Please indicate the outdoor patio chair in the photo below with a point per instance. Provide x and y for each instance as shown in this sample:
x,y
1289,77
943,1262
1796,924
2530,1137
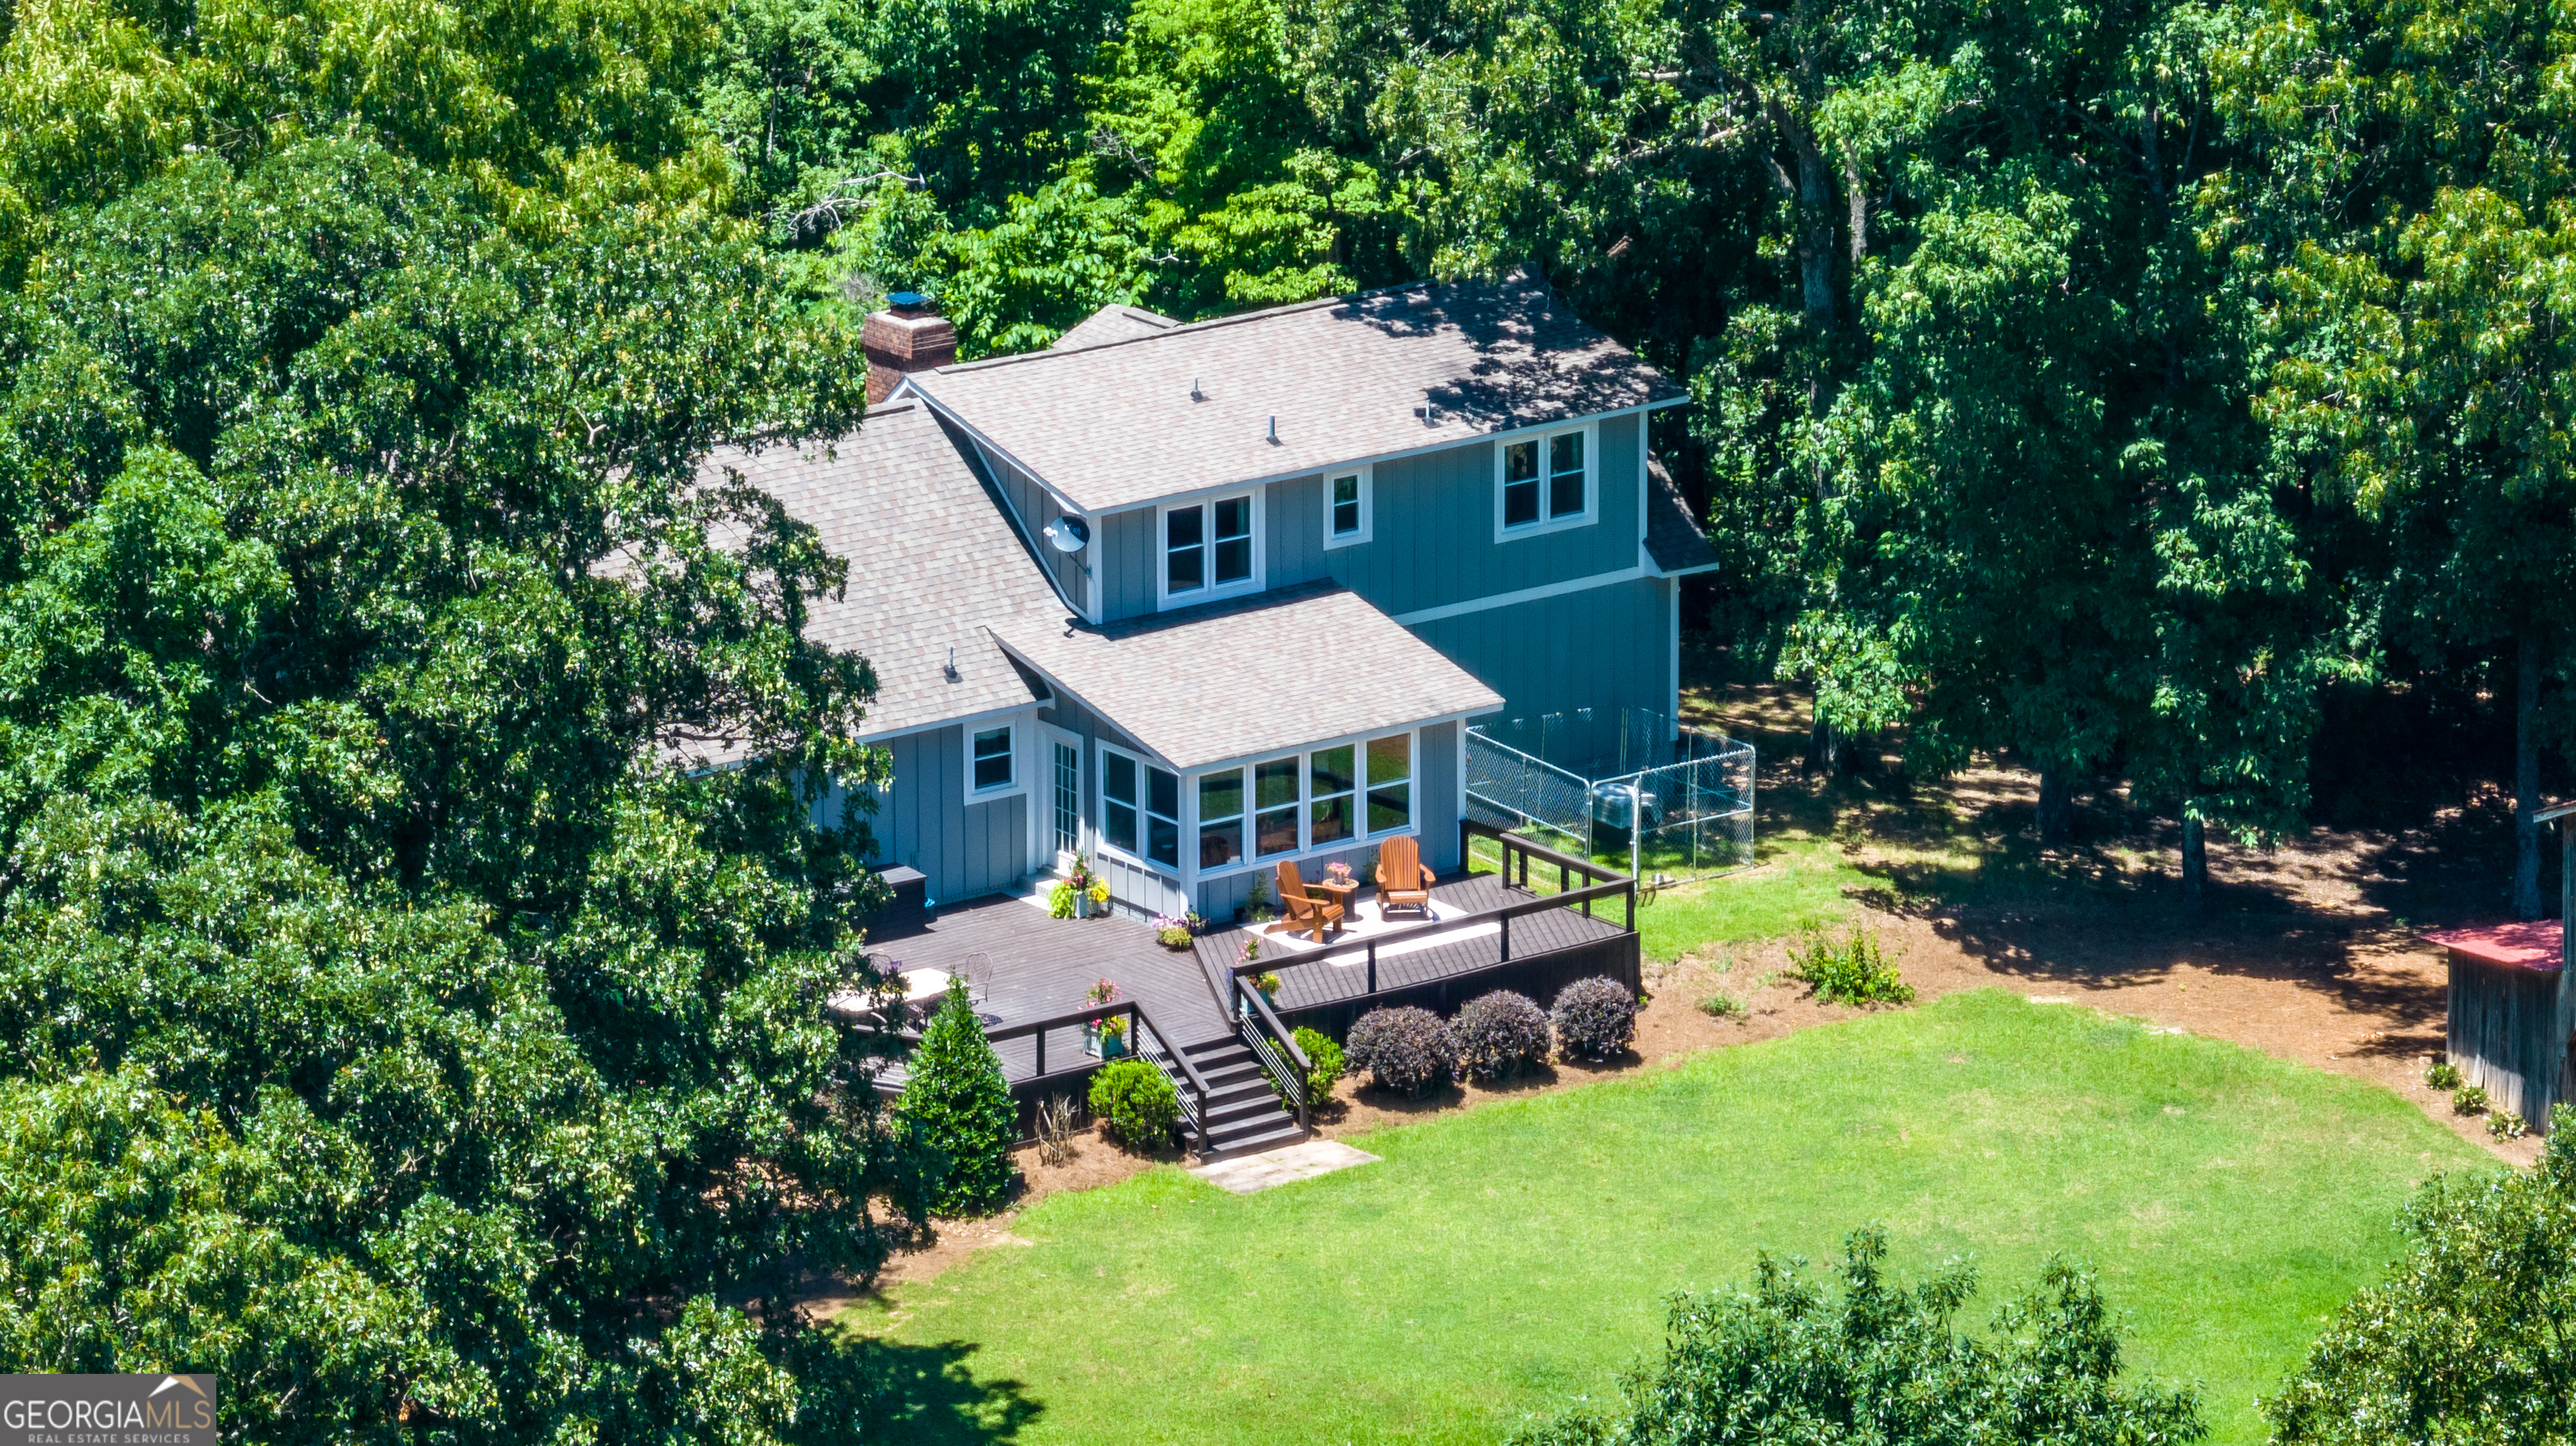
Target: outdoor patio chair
x,y
1306,913
1402,881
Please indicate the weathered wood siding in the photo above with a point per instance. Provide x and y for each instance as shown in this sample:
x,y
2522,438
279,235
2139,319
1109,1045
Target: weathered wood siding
x,y
2508,1033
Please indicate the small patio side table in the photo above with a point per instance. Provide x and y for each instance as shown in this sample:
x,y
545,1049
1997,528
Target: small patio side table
x,y
1340,893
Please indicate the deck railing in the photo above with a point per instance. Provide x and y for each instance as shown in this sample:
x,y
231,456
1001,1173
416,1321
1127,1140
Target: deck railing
x,y
1276,1048
1152,1045
1608,883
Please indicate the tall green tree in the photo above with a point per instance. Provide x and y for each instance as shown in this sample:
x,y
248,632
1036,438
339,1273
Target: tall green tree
x,y
397,1009
2406,216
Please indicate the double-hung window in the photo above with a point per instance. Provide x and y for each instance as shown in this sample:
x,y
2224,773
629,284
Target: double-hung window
x,y
1208,548
992,760
1140,809
1304,801
1544,482
1346,507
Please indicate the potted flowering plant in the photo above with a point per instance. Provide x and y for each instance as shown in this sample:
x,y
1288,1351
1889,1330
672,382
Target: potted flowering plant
x,y
1268,983
1106,1037
1341,872
1172,932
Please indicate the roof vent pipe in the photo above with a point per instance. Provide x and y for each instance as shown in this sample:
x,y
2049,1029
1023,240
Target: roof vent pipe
x,y
1274,431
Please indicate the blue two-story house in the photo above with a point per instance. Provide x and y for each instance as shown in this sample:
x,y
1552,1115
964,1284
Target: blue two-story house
x,y
1195,599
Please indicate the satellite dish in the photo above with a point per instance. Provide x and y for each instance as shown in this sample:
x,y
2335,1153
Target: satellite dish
x,y
1069,534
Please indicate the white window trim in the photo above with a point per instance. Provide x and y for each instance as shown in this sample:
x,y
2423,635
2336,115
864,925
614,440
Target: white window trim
x,y
1306,848
1164,598
1591,512
1019,759
1103,752
1368,506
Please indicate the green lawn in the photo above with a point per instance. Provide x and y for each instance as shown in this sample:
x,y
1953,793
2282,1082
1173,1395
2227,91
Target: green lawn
x,y
1506,1259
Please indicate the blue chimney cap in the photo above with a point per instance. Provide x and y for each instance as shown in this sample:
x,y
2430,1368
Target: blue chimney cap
x,y
907,300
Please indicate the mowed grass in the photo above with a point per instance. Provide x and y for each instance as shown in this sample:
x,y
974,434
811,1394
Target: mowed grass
x,y
1501,1262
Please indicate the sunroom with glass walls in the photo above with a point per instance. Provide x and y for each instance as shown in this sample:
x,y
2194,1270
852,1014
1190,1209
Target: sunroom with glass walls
x,y
1331,802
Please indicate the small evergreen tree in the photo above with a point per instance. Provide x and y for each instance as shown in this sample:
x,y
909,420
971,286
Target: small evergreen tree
x,y
956,1097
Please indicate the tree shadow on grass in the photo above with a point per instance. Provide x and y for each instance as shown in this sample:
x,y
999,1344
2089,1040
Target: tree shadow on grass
x,y
928,1394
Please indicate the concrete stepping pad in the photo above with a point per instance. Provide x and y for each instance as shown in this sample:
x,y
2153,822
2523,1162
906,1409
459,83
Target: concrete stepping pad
x,y
1301,1161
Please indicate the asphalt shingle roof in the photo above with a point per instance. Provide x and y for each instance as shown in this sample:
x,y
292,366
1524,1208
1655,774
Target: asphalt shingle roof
x,y
1673,538
932,556
1113,323
1268,674
1116,424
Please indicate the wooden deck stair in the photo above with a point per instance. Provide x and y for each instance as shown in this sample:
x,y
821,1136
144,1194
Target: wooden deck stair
x,y
1245,1115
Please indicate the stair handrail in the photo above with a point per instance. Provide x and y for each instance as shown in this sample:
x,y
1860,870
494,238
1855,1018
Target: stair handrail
x,y
1260,1026
1164,1057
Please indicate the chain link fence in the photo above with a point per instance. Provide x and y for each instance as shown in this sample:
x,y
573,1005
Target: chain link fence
x,y
1664,802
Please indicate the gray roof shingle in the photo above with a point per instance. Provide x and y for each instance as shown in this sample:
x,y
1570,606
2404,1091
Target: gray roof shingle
x,y
1673,537
1268,674
1113,323
1349,378
932,556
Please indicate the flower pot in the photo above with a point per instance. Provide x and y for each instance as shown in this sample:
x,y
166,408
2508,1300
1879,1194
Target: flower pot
x,y
1082,903
1103,1046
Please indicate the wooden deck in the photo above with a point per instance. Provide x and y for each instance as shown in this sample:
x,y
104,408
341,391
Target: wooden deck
x,y
1034,967
1324,987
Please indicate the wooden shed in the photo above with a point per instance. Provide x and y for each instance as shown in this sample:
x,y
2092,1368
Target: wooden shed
x,y
2511,1012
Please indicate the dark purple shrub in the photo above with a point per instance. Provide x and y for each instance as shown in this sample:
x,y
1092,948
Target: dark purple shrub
x,y
1500,1034
1408,1050
1595,1019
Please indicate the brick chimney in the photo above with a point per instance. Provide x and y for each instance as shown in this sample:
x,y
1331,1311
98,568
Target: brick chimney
x,y
908,336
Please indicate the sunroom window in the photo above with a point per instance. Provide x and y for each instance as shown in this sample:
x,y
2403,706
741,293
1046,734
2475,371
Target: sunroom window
x,y
1274,792
1390,783
1221,819
1330,782
1140,809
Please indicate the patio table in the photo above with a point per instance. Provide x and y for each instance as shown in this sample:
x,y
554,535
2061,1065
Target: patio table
x,y
1340,893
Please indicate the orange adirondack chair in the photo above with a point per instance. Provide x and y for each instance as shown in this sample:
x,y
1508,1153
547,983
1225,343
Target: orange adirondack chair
x,y
1402,881
1305,911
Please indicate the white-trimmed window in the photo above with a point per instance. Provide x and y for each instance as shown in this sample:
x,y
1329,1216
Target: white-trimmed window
x,y
988,762
1347,507
1221,819
1544,481
1211,548
1140,808
1275,794
1305,801
1390,783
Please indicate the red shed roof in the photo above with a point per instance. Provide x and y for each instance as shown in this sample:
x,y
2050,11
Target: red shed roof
x,y
2527,946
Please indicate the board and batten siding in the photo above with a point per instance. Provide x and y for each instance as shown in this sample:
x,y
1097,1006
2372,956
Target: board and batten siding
x,y
1127,559
1431,533
1033,507
963,849
1603,648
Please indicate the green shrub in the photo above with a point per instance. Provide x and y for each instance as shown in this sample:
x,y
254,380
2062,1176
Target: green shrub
x,y
2441,1074
1777,1361
1323,1063
2507,1125
1851,972
1723,1005
2466,1340
953,1091
1138,1102
2468,1100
